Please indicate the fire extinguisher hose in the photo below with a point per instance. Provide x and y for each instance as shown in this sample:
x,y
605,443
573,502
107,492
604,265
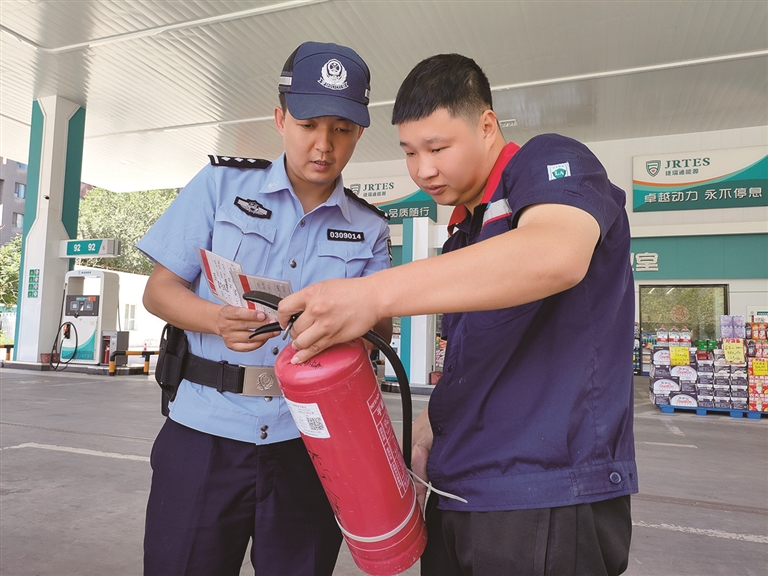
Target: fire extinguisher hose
x,y
402,378
405,390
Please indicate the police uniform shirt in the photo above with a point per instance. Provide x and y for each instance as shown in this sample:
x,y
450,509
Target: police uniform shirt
x,y
534,409
252,216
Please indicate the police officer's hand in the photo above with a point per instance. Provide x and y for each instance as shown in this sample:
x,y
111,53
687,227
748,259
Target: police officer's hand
x,y
235,325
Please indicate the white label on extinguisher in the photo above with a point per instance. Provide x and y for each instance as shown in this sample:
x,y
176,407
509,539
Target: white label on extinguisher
x,y
308,419
389,441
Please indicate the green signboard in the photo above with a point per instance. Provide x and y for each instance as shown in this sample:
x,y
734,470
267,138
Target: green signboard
x,y
94,248
416,205
700,257
80,248
695,181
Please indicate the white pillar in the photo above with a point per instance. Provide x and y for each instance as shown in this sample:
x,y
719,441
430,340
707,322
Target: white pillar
x,y
422,327
50,216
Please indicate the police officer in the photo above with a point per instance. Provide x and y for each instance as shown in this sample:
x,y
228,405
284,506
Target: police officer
x,y
230,467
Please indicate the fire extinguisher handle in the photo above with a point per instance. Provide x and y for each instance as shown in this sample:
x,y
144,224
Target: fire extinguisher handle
x,y
270,301
263,298
266,329
405,390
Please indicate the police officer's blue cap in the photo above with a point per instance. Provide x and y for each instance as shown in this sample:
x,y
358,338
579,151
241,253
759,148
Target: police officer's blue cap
x,y
325,79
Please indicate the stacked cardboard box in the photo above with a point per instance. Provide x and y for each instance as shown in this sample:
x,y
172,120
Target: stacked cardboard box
x,y
662,382
705,384
730,383
674,385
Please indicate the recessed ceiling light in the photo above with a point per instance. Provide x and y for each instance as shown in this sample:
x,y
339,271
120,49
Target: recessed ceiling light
x,y
508,123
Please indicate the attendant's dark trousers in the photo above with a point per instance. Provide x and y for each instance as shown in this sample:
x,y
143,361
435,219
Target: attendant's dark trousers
x,y
581,540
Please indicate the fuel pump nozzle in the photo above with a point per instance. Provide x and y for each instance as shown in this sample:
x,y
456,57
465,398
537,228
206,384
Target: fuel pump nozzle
x,y
80,306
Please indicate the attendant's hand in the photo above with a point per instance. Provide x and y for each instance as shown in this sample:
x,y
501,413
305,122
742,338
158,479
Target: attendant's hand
x,y
332,311
420,447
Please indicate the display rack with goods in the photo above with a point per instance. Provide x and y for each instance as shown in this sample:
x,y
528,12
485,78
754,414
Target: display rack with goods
x,y
757,364
729,374
637,358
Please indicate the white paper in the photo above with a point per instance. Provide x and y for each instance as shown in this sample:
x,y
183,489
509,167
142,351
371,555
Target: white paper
x,y
218,272
245,283
228,283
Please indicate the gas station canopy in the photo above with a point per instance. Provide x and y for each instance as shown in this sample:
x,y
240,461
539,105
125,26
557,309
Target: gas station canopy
x,y
164,83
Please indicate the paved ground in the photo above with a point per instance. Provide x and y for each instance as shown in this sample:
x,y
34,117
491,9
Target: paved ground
x,y
74,476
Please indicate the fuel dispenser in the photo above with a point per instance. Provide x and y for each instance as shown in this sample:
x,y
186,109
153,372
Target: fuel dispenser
x,y
90,309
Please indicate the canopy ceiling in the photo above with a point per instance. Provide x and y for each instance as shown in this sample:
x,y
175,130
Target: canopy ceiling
x,y
165,83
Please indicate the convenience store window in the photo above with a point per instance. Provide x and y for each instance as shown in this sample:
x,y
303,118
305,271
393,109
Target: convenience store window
x,y
697,307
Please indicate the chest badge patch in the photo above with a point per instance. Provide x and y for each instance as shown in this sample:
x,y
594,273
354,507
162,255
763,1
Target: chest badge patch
x,y
345,235
252,208
556,171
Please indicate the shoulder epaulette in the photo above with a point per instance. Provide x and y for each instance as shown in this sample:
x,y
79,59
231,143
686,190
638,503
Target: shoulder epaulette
x,y
236,162
368,205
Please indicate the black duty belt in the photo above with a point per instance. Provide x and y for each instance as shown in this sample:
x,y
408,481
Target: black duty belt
x,y
235,378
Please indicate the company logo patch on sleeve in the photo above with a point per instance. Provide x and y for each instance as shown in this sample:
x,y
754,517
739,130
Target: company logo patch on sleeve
x,y
252,208
345,235
556,171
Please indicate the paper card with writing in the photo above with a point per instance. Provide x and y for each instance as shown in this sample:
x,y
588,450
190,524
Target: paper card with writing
x,y
228,283
218,273
245,283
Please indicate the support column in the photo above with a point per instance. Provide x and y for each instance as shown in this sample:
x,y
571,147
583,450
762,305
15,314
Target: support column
x,y
417,333
50,216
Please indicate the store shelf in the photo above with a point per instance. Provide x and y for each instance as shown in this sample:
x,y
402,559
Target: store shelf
x,y
667,409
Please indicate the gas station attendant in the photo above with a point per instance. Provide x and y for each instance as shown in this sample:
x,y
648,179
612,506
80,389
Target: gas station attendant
x,y
531,422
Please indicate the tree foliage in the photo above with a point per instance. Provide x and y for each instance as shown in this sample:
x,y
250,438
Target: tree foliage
x,y
125,216
10,264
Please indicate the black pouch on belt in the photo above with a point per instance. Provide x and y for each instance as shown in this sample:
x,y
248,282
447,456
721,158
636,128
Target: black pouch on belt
x,y
170,362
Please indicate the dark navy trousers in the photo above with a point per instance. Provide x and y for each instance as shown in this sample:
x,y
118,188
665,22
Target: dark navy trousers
x,y
580,540
211,495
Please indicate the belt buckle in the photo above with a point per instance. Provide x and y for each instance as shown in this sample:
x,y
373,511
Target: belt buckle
x,y
260,381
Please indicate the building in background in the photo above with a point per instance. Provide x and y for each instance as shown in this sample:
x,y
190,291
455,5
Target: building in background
x,y
13,194
13,191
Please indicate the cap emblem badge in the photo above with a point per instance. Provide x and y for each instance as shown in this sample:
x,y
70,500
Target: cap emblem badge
x,y
334,75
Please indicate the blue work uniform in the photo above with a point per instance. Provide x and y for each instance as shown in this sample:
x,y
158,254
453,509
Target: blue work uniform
x,y
229,468
535,406
253,217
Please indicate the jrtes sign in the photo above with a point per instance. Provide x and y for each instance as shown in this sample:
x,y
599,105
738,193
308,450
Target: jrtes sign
x,y
736,178
396,197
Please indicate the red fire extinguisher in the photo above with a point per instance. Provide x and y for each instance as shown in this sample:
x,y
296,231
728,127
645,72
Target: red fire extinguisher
x,y
338,408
